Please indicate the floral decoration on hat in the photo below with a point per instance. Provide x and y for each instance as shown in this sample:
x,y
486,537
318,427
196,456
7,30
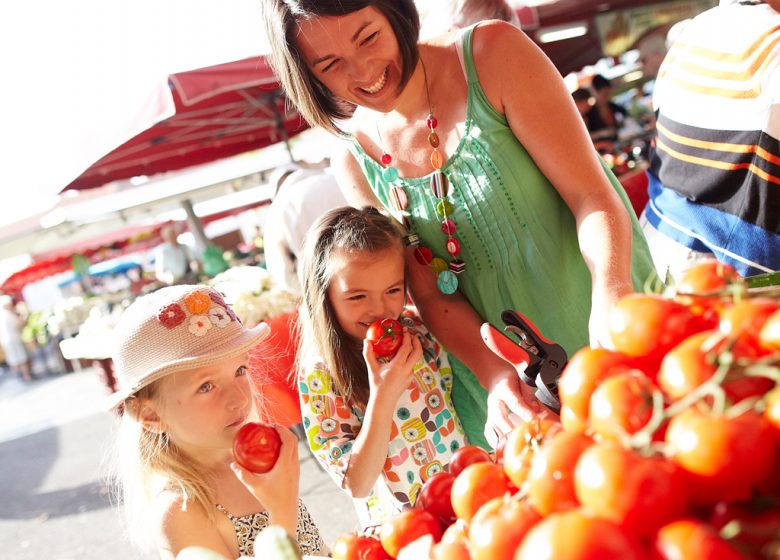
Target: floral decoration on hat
x,y
199,325
219,316
171,315
198,302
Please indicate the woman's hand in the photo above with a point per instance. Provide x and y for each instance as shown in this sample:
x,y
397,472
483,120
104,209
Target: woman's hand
x,y
277,490
603,301
391,378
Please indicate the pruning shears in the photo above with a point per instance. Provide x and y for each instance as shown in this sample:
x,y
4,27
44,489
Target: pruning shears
x,y
539,361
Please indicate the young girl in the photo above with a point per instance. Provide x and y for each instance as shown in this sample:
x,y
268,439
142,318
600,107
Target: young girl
x,y
379,429
181,363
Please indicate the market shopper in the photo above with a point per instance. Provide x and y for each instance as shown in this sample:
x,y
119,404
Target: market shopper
x,y
174,262
715,172
181,361
477,130
380,428
16,355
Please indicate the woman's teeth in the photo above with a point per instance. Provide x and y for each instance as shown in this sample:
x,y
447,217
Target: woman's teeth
x,y
380,83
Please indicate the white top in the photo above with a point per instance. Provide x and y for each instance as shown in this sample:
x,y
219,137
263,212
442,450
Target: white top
x,y
171,262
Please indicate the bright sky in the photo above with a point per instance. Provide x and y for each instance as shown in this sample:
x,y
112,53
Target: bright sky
x,y
78,75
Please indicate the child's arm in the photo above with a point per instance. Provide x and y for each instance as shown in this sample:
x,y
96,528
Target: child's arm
x,y
277,490
179,529
387,381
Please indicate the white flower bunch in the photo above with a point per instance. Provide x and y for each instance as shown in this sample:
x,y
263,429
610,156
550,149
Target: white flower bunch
x,y
251,292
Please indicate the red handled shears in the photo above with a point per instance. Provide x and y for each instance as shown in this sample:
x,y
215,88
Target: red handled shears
x,y
539,362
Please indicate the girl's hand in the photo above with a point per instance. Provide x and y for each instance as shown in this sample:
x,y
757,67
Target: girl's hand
x,y
277,490
391,378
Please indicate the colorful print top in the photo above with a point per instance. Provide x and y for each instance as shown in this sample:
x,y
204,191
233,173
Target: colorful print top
x,y
424,434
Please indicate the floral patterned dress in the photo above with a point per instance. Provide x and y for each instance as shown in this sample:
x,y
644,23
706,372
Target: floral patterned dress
x,y
424,434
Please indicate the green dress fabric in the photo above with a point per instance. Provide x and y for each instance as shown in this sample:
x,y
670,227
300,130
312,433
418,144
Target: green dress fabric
x,y
518,237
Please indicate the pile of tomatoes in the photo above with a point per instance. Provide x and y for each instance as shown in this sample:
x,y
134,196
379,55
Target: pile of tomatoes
x,y
668,447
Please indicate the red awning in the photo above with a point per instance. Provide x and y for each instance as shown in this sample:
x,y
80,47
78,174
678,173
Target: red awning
x,y
221,111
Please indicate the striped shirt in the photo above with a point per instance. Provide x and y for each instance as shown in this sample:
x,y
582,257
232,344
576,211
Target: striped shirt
x,y
715,170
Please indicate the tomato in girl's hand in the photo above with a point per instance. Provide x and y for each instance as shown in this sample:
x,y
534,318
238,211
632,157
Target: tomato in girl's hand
x,y
385,337
256,447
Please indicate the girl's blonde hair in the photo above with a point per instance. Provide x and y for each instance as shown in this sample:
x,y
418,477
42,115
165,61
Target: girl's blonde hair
x,y
350,230
149,463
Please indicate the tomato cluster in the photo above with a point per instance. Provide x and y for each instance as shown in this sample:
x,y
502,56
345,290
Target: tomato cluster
x,y
668,446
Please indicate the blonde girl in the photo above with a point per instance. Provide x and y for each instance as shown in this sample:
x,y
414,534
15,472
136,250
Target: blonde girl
x,y
380,429
181,363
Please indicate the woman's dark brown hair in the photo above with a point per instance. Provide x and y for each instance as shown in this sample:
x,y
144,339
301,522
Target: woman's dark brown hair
x,y
351,230
314,101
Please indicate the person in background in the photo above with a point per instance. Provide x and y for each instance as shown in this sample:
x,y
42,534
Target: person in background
x,y
605,117
181,358
173,262
11,325
301,196
582,99
714,177
509,208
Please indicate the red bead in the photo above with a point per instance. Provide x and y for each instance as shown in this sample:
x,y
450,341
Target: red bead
x,y
432,122
453,247
423,255
448,227
386,159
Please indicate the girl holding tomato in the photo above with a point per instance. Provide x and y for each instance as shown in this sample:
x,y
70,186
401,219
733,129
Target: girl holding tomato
x,y
181,365
389,423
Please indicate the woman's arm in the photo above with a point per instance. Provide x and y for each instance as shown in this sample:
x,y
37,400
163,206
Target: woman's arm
x,y
520,81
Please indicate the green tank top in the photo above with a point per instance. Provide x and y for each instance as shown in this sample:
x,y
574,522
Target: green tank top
x,y
518,237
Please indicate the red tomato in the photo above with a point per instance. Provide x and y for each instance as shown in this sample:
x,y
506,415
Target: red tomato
x,y
622,404
450,551
772,410
350,546
572,535
726,458
586,369
689,539
649,326
746,319
405,527
476,485
551,479
710,277
498,527
754,528
455,533
256,447
435,497
769,337
385,337
467,455
691,363
637,493
522,444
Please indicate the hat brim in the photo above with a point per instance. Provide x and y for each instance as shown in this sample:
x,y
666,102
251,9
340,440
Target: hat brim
x,y
248,339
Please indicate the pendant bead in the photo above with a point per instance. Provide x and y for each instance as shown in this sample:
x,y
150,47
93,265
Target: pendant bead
x,y
447,282
432,122
453,247
440,185
433,140
457,266
444,208
438,265
386,159
411,239
437,160
398,198
390,174
448,227
423,255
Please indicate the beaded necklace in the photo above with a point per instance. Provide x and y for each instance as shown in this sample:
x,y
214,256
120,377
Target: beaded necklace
x,y
445,273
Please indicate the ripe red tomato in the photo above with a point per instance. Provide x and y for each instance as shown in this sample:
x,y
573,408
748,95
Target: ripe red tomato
x,y
467,455
572,535
350,546
498,527
586,369
726,458
621,404
405,527
522,444
769,337
690,539
709,277
385,337
772,410
637,493
649,326
256,447
551,479
746,319
456,532
477,484
435,497
450,551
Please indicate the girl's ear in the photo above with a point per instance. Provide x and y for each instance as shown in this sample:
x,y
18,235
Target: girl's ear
x,y
145,412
